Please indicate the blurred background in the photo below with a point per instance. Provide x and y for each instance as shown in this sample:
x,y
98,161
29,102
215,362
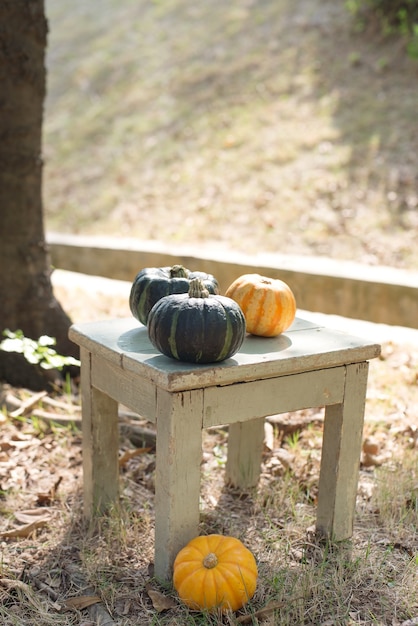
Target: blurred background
x,y
252,125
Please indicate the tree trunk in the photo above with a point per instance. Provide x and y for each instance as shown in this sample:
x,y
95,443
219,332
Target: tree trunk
x,y
27,301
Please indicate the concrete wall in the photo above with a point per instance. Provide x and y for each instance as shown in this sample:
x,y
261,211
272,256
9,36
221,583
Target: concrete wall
x,y
377,294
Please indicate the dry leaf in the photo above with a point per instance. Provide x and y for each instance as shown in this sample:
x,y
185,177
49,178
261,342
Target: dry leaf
x,y
20,443
80,602
22,588
285,457
370,460
371,446
130,454
33,515
262,613
60,404
160,602
126,607
28,404
24,531
46,498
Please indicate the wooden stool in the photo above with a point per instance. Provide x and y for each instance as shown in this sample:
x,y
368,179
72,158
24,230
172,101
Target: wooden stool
x,y
308,366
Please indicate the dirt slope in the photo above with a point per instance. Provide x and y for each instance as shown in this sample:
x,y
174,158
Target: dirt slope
x,y
256,125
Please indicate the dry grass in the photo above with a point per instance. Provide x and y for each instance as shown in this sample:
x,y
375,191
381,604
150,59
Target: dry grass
x,y
372,579
246,125
255,126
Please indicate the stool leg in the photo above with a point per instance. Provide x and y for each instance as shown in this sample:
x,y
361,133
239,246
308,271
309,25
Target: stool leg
x,y
245,449
341,450
177,475
100,444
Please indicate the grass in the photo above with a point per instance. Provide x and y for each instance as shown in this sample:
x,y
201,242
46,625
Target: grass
x,y
396,499
252,126
371,579
248,126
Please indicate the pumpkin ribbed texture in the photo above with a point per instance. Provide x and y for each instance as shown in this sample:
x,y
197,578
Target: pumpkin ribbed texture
x,y
268,304
196,327
153,283
215,572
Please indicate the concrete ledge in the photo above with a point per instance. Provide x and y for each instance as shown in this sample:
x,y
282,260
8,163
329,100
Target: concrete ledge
x,y
378,294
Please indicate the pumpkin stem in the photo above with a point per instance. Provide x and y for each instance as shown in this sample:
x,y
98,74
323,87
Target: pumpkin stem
x,y
197,289
178,271
210,561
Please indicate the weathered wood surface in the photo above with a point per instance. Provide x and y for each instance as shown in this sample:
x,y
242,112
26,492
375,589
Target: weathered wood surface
x,y
125,387
306,367
177,474
303,347
244,401
100,444
245,448
340,461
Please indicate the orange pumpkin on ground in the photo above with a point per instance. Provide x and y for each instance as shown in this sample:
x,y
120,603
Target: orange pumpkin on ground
x,y
215,572
268,304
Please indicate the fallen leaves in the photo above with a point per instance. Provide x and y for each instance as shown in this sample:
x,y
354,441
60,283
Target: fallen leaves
x,y
40,465
31,519
80,602
131,454
160,601
267,611
33,404
36,458
23,531
23,591
24,406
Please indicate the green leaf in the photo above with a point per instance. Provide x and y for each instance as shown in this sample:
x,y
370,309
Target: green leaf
x,y
36,352
44,340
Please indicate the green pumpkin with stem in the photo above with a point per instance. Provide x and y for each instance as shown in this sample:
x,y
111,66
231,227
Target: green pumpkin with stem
x,y
153,283
197,327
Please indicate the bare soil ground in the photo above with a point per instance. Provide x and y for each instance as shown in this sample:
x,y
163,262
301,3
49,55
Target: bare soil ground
x,y
257,126
53,565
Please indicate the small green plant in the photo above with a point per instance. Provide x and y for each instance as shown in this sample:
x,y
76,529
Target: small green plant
x,y
292,440
412,46
391,17
219,452
354,59
37,352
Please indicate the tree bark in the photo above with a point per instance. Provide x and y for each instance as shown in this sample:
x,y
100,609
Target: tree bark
x,y
27,301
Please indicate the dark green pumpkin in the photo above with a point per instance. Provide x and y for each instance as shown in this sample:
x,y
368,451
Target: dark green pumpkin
x,y
153,283
197,327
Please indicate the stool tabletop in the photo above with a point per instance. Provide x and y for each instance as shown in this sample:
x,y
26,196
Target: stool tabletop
x,y
305,346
